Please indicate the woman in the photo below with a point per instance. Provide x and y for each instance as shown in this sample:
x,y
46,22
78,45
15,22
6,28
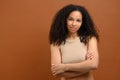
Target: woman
x,y
73,43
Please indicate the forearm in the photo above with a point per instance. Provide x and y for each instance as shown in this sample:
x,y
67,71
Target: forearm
x,y
84,66
71,74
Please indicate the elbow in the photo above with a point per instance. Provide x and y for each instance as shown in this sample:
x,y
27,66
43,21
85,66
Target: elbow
x,y
94,66
59,75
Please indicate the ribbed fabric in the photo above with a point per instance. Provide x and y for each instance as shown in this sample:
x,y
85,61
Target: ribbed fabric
x,y
73,51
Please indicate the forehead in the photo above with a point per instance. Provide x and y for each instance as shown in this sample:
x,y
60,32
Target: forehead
x,y
75,14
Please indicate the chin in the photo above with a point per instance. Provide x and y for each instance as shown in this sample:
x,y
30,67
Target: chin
x,y
73,32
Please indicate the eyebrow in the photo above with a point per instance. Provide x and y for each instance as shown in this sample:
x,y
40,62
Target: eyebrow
x,y
73,18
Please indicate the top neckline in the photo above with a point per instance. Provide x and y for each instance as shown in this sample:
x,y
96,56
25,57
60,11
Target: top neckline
x,y
72,40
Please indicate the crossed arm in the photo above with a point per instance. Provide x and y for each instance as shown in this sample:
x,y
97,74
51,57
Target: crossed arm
x,y
75,69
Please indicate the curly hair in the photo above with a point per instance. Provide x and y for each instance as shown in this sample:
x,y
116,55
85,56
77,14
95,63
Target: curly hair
x,y
58,31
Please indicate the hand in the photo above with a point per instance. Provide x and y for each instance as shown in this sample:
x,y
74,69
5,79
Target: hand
x,y
58,69
90,55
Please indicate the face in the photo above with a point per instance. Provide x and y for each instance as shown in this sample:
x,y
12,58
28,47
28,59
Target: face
x,y
74,22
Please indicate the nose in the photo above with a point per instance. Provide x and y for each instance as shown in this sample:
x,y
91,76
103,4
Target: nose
x,y
74,23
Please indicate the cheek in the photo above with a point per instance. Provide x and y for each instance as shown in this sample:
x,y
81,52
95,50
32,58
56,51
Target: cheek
x,y
80,24
69,22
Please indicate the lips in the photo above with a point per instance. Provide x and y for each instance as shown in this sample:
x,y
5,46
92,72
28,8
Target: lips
x,y
73,29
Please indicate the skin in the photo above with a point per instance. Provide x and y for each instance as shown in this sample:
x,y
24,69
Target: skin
x,y
75,71
74,22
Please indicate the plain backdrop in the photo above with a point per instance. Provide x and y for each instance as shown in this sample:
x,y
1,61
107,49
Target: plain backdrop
x,y
24,44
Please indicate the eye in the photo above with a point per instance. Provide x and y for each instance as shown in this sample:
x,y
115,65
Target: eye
x,y
78,20
70,19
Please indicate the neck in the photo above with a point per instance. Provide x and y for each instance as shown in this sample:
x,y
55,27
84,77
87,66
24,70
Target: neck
x,y
72,36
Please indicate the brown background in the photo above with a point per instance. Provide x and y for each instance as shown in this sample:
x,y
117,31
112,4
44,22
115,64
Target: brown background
x,y
24,28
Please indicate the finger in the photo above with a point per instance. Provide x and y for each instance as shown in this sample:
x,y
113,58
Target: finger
x,y
89,54
91,57
53,64
53,73
53,69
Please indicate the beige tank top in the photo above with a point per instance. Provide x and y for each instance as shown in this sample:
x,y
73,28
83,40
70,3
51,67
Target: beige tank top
x,y
73,51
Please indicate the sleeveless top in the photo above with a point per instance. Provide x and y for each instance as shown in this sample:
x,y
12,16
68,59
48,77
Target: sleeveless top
x,y
73,51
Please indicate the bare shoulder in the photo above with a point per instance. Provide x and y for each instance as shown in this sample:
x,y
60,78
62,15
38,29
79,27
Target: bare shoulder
x,y
55,54
92,41
93,44
54,46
